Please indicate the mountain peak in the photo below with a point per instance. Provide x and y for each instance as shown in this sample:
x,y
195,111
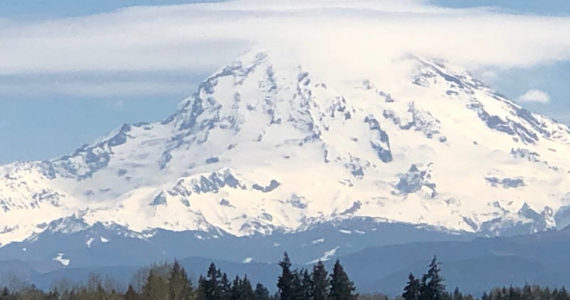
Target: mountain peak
x,y
271,143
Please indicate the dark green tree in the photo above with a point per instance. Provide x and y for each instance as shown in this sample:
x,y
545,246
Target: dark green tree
x,y
261,292
285,282
155,287
342,288
225,287
235,291
320,281
131,294
52,295
241,289
527,293
179,287
432,287
6,294
297,289
457,294
201,290
412,288
306,288
561,294
210,286
246,290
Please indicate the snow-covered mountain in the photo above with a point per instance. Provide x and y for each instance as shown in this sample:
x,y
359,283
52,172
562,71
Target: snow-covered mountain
x,y
267,145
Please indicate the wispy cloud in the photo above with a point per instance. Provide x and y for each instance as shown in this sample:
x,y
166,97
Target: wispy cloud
x,y
359,34
534,95
96,89
92,84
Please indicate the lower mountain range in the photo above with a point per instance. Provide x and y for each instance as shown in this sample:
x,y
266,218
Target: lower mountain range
x,y
475,265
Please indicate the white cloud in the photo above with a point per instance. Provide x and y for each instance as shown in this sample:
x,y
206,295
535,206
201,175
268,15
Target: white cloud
x,y
95,89
534,95
359,34
488,75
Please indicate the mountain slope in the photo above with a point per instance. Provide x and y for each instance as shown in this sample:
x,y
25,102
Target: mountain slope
x,y
266,145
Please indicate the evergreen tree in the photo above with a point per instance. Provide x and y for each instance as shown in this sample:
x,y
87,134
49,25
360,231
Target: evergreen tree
x,y
225,287
155,287
246,291
457,294
285,281
235,291
201,290
513,294
261,292
131,294
241,289
526,292
6,295
561,295
341,286
297,288
412,289
306,288
210,286
432,287
179,286
52,295
320,282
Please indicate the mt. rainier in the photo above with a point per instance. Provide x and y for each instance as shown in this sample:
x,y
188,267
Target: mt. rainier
x,y
266,145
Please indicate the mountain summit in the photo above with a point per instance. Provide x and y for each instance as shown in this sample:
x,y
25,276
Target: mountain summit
x,y
266,145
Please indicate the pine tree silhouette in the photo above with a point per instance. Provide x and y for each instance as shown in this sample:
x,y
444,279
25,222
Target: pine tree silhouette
x,y
341,286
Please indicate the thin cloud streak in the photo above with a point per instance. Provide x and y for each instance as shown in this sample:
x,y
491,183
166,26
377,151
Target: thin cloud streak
x,y
98,90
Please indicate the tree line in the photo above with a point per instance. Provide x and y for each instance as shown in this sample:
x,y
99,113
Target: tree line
x,y
431,286
171,282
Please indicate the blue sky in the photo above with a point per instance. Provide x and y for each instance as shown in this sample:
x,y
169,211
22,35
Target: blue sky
x,y
546,7
47,113
67,8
